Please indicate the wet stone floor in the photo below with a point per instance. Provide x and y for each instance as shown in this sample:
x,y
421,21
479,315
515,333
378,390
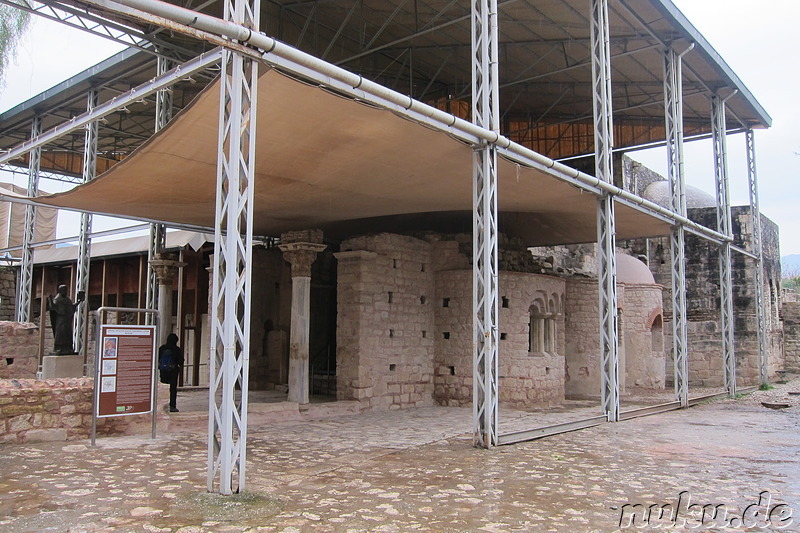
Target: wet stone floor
x,y
416,470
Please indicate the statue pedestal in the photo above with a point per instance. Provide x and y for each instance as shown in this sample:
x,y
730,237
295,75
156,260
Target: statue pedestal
x,y
62,366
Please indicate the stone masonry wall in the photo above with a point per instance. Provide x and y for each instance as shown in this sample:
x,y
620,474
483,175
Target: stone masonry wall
x,y
791,332
8,293
385,349
19,350
525,379
58,410
582,349
642,360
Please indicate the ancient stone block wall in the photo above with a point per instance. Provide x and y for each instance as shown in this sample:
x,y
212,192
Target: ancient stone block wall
x,y
19,350
703,307
791,335
582,344
385,321
526,378
8,293
58,410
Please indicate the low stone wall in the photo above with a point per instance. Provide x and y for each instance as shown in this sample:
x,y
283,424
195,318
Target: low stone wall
x,y
19,350
58,410
8,292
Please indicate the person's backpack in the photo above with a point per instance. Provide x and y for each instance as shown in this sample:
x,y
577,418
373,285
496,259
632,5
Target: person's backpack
x,y
167,363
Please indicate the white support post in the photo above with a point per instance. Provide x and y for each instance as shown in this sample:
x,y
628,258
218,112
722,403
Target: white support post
x,y
233,245
158,235
81,317
25,281
719,129
606,233
758,250
485,113
673,114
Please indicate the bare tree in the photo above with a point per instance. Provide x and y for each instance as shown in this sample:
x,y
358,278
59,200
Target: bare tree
x,y
13,23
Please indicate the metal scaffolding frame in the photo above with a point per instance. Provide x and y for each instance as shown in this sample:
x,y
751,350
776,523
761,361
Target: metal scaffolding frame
x,y
606,233
719,142
485,93
25,283
755,212
233,246
673,113
79,331
233,218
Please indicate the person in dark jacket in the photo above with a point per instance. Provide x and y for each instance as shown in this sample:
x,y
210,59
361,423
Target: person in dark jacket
x,y
170,365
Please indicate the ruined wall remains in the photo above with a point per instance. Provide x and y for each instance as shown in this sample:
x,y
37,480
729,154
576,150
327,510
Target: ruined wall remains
x,y
19,350
385,349
61,409
791,332
8,293
527,376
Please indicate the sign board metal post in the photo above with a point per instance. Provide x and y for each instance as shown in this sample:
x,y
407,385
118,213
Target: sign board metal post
x,y
125,368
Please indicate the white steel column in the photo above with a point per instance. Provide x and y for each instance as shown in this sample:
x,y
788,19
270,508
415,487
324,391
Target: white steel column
x,y
25,280
673,113
233,245
755,212
158,235
606,233
485,113
84,243
718,129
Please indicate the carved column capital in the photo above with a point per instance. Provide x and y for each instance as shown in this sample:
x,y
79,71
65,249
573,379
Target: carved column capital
x,y
165,268
301,256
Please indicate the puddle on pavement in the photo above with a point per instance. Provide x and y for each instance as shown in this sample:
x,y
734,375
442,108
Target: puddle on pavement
x,y
243,509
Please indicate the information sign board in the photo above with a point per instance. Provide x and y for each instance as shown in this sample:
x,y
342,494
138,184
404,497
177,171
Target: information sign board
x,y
125,370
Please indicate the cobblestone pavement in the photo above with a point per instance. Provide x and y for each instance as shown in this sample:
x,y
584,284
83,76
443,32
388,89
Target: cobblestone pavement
x,y
415,470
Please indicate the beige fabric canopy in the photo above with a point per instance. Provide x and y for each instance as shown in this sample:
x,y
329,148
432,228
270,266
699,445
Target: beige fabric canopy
x,y
324,161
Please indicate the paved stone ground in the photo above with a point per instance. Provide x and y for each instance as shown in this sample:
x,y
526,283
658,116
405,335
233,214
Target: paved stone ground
x,y
415,470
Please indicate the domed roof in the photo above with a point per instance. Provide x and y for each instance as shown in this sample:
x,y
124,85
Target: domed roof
x,y
658,192
633,271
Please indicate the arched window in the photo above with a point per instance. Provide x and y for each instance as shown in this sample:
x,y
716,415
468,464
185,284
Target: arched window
x,y
542,327
657,335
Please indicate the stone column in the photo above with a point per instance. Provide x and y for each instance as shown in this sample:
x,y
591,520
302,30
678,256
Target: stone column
x,y
166,268
300,248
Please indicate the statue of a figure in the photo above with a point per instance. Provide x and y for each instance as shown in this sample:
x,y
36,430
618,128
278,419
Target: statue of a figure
x,y
61,312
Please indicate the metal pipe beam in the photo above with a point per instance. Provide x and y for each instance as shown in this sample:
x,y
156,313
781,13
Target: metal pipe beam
x,y
199,63
485,106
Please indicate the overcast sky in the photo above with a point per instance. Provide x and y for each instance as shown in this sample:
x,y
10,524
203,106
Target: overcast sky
x,y
759,40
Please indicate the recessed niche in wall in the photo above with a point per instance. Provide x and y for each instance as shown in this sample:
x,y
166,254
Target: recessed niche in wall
x,y
422,268
424,333
547,370
505,302
422,300
392,367
446,335
452,370
394,263
391,333
390,296
445,302
502,336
